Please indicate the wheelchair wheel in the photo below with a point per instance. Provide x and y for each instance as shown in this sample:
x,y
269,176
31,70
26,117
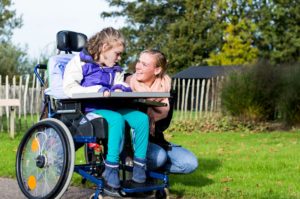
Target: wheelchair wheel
x,y
162,194
45,160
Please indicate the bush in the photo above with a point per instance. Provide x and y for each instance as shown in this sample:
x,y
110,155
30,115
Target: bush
x,y
289,101
251,93
220,123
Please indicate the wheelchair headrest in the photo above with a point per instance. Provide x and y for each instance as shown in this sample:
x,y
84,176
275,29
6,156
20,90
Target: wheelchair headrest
x,y
69,41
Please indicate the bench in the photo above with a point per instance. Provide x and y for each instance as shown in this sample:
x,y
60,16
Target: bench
x,y
12,103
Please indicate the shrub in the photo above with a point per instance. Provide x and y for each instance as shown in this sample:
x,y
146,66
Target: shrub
x,y
251,93
289,101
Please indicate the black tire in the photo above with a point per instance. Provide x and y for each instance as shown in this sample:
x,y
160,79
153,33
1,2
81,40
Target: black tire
x,y
45,160
162,194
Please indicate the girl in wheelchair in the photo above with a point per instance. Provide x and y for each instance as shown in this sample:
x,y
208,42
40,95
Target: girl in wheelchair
x,y
95,69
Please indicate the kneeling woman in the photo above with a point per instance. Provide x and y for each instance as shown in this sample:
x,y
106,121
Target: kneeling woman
x,y
150,77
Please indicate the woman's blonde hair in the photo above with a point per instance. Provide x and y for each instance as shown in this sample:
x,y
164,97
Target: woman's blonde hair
x,y
108,36
160,60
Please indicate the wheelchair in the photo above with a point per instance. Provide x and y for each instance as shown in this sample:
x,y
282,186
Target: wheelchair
x,y
45,159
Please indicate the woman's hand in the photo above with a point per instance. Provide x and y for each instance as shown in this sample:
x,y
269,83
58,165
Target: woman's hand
x,y
118,90
151,122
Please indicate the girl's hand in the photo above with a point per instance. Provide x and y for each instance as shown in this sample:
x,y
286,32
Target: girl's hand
x,y
106,93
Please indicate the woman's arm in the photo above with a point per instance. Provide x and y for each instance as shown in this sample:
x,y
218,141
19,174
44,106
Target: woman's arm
x,y
119,84
73,77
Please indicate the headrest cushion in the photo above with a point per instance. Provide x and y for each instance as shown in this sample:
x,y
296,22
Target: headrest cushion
x,y
70,41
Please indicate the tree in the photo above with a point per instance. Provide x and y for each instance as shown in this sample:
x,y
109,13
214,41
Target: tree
x,y
185,30
13,59
194,34
230,31
238,48
278,37
8,20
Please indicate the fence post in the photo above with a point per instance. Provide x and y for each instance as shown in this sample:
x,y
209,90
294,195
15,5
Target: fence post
x,y
1,112
197,98
207,96
20,97
192,100
178,95
25,99
32,98
212,101
7,97
202,96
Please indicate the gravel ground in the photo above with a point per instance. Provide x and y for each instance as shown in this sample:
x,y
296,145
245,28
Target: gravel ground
x,y
9,189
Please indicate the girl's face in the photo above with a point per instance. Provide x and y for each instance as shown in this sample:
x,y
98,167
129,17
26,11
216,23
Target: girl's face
x,y
111,55
146,70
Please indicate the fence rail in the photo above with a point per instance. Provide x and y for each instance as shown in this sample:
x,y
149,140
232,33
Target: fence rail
x,y
195,98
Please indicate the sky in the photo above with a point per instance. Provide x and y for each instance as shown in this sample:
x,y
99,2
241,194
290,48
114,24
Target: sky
x,y
42,19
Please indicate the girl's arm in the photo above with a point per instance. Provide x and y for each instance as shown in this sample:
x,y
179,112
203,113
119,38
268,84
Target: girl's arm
x,y
73,77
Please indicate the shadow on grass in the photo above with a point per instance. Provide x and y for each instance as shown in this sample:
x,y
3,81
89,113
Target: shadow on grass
x,y
197,179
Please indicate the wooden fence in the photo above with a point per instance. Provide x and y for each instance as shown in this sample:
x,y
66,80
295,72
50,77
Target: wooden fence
x,y
28,90
195,98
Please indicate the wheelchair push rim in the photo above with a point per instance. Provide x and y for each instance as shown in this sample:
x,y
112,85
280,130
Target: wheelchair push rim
x,y
45,160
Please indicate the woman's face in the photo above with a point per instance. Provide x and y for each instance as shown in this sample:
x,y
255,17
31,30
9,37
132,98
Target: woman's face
x,y
145,69
111,55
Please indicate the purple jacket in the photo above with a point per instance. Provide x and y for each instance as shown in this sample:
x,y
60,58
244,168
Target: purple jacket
x,y
94,74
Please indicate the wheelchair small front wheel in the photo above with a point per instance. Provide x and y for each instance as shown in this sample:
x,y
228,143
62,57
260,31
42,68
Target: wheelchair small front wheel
x,y
45,160
93,196
162,194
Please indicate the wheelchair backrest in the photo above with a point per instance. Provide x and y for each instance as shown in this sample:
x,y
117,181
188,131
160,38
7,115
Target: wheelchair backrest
x,y
68,42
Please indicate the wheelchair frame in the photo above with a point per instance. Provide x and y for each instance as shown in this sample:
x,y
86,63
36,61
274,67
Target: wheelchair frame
x,y
46,154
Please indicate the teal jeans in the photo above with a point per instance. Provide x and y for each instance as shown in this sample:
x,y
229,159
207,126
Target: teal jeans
x,y
139,123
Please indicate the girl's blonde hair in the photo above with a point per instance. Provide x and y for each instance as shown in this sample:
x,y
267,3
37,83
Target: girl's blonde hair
x,y
160,60
108,36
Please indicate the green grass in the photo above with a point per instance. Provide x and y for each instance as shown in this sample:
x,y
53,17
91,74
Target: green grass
x,y
231,165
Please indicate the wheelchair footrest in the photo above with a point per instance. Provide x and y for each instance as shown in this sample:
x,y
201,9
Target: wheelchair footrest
x,y
130,186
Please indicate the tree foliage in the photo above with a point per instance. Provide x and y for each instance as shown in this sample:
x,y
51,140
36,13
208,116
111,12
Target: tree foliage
x,y
13,59
8,20
279,29
238,48
186,31
204,32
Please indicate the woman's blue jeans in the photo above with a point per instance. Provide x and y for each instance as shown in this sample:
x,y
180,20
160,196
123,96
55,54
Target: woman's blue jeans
x,y
177,160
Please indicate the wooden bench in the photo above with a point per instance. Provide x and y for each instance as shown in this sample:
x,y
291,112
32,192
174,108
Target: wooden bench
x,y
12,103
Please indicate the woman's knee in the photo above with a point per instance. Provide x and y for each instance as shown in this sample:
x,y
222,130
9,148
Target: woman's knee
x,y
156,156
191,165
184,160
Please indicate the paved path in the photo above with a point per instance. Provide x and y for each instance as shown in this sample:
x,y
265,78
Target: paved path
x,y
9,189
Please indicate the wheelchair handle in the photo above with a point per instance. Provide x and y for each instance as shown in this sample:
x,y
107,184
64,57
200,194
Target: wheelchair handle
x,y
43,67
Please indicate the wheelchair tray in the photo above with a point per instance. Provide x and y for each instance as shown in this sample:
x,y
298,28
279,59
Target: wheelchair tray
x,y
119,98
123,95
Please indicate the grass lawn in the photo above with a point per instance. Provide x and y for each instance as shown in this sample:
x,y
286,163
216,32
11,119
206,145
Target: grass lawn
x,y
231,165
